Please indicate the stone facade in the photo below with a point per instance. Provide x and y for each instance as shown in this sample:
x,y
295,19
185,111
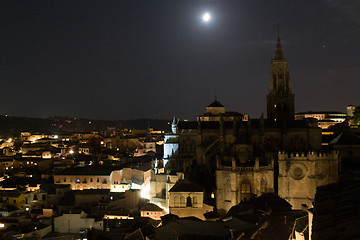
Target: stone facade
x,y
301,174
237,183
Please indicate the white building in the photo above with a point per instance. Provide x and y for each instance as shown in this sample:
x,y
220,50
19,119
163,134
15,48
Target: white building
x,y
171,145
74,222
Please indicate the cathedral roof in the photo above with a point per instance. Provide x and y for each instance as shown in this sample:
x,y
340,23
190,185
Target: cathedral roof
x,y
215,103
226,114
255,123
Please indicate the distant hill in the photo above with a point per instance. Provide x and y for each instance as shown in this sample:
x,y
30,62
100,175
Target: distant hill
x,y
13,126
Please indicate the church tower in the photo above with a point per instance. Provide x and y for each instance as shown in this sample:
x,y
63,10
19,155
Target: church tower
x,y
280,100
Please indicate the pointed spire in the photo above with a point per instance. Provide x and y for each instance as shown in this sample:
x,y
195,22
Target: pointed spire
x,y
279,55
174,126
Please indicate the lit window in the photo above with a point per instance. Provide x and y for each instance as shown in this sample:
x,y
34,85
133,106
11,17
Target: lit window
x,y
245,188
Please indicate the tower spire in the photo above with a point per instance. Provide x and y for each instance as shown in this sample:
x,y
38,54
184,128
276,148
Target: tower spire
x,y
279,55
280,101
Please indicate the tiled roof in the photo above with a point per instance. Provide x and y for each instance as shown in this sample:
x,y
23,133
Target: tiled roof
x,y
92,191
12,193
85,171
337,211
151,207
19,181
347,137
186,186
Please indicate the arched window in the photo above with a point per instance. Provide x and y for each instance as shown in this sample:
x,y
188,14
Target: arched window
x,y
227,191
176,202
243,155
182,201
195,201
263,185
245,187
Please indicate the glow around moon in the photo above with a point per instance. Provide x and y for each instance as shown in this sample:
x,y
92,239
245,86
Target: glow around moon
x,y
206,17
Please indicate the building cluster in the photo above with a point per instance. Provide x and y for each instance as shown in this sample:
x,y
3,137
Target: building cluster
x,y
223,176
72,181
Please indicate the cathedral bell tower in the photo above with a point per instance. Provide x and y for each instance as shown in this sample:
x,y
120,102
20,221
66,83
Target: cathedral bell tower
x,y
280,100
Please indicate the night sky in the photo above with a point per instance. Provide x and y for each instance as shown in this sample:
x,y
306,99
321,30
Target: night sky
x,y
130,59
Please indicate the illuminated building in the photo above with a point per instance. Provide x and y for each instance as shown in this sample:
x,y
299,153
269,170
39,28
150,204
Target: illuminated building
x,y
325,119
74,222
13,198
242,153
171,145
350,109
187,199
80,179
115,180
152,211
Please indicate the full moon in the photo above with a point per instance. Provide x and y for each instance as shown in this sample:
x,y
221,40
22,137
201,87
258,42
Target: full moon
x,y
206,17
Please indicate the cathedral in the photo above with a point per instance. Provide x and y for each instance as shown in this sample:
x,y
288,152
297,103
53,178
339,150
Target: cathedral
x,y
236,157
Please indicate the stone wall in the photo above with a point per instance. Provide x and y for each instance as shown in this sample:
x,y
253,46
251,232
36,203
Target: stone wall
x,y
301,173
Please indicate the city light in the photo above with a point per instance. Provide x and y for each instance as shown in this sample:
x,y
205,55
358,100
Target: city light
x,y
145,191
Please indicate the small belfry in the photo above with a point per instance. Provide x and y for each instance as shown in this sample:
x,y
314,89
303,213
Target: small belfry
x,y
280,100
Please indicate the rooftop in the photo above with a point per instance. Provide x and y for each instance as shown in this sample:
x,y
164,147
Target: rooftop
x,y
186,186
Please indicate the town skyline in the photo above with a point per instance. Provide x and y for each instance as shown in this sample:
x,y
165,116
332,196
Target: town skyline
x,y
120,60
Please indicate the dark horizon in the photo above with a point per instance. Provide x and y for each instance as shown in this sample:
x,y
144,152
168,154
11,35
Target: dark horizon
x,y
120,60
